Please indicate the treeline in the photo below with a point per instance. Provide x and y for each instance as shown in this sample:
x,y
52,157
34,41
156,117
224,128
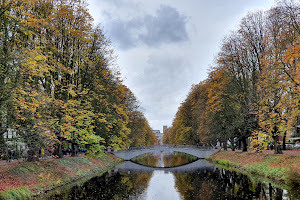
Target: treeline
x,y
254,88
59,85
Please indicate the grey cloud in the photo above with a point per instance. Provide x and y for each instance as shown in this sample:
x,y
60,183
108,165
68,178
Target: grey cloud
x,y
163,84
161,77
166,26
125,34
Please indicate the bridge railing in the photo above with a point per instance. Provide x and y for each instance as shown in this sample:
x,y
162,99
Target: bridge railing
x,y
169,146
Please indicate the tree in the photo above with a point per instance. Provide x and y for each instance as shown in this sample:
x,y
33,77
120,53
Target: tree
x,y
58,82
77,126
254,87
222,106
30,103
274,84
141,133
8,62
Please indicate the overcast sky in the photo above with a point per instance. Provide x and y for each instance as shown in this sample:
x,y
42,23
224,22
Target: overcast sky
x,y
165,46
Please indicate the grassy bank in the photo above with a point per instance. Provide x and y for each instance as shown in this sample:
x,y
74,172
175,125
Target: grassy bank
x,y
279,168
26,179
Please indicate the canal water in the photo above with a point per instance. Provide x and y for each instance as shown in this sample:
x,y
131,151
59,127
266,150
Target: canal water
x,y
174,176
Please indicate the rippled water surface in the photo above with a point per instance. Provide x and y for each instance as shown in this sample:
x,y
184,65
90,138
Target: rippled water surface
x,y
183,178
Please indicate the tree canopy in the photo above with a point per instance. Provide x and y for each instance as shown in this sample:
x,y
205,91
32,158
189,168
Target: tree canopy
x,y
253,87
59,84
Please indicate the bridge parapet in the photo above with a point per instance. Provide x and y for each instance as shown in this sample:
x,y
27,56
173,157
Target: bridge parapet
x,y
166,146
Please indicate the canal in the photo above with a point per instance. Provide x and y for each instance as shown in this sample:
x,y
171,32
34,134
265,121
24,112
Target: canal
x,y
171,176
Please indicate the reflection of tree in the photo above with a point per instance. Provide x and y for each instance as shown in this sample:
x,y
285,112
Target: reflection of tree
x,y
114,186
177,159
184,185
171,159
204,184
223,184
140,182
147,159
207,190
197,185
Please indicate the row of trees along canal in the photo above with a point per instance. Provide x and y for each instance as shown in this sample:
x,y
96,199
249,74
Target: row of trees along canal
x,y
254,87
59,84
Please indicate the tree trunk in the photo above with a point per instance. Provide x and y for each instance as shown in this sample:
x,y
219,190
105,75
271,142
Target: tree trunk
x,y
232,144
283,141
58,151
224,145
32,156
244,144
239,144
277,148
74,149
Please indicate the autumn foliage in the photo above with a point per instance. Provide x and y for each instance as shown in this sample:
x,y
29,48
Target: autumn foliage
x,y
253,88
59,84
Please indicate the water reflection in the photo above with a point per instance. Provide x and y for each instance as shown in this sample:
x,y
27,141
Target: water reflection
x,y
164,159
108,186
205,182
223,184
161,187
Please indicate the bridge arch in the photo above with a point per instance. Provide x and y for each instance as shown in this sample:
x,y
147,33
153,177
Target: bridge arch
x,y
200,152
197,165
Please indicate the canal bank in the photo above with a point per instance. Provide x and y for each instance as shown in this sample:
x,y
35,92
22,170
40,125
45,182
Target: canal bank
x,y
206,181
282,169
23,180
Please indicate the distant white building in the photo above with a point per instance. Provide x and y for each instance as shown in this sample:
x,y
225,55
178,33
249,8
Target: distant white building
x,y
13,140
294,134
159,136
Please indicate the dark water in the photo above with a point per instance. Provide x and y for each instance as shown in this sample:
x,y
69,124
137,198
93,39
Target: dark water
x,y
197,180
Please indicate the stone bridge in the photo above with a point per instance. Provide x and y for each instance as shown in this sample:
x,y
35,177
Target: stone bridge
x,y
198,151
198,165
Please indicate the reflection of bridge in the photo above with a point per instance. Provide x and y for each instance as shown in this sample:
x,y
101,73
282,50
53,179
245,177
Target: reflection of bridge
x,y
198,165
198,151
